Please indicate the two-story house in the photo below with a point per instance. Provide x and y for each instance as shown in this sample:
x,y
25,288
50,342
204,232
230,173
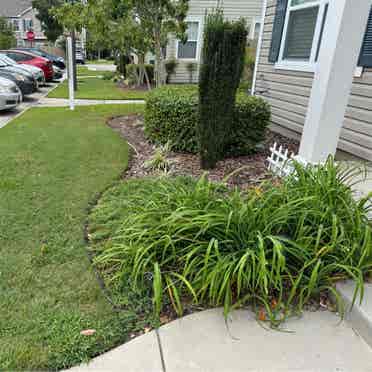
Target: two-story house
x,y
23,18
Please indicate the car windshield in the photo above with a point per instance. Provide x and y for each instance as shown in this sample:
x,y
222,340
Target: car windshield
x,y
6,59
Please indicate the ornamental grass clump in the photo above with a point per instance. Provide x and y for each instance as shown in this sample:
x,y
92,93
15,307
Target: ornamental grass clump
x,y
277,246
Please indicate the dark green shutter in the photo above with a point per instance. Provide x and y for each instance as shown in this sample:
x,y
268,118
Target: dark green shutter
x,y
276,38
365,58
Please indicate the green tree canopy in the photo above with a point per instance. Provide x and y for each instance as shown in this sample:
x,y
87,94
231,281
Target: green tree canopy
x,y
49,24
7,36
135,26
159,18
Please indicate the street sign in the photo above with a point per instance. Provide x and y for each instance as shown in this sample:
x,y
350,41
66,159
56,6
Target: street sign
x,y
30,35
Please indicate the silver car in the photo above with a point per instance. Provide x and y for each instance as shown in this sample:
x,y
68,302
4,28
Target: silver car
x,y
10,95
36,72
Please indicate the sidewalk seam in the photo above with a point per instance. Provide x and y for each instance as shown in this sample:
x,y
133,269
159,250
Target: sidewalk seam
x,y
160,350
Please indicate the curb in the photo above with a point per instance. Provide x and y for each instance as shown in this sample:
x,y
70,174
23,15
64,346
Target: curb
x,y
360,315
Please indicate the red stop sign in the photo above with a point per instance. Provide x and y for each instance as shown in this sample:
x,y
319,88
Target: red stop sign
x,y
30,35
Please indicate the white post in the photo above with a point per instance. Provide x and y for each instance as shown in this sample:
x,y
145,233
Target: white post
x,y
259,45
70,73
342,40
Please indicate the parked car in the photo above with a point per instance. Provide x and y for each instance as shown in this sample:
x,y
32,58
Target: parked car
x,y
36,72
58,73
25,83
27,58
15,67
56,60
79,56
10,95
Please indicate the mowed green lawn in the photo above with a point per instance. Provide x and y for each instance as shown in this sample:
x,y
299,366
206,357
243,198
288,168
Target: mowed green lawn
x,y
52,164
97,88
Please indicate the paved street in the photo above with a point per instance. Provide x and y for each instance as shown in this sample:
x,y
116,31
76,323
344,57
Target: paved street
x,y
101,67
32,100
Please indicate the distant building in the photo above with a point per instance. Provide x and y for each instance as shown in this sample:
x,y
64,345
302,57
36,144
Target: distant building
x,y
23,18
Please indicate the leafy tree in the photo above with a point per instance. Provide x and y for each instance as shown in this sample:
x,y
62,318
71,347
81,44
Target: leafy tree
x,y
49,24
69,15
137,26
158,18
7,36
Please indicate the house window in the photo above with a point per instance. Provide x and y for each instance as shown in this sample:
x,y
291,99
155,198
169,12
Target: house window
x,y
189,50
16,24
302,34
27,24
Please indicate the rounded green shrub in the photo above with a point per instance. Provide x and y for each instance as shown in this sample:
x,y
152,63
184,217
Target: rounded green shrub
x,y
172,113
247,131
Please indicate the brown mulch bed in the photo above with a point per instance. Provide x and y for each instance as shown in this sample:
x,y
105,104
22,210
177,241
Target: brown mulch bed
x,y
252,168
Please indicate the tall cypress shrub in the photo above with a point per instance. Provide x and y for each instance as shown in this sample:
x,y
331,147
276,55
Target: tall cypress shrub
x,y
221,70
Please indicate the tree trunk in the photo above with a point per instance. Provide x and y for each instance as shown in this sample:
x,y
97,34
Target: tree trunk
x,y
147,79
158,60
141,65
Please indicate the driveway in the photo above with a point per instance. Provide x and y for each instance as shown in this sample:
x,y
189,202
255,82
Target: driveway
x,y
101,67
32,100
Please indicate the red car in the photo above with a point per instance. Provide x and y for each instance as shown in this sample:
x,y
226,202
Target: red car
x,y
33,60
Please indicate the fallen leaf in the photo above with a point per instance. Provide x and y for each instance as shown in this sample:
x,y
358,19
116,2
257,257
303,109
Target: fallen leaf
x,y
262,315
164,319
88,332
274,303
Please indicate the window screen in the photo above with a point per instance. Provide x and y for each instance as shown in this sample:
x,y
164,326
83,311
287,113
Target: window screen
x,y
188,50
300,33
16,24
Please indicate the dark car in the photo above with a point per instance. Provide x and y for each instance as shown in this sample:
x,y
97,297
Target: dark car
x,y
26,84
56,60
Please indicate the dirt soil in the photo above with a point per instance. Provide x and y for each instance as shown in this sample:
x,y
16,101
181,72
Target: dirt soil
x,y
250,170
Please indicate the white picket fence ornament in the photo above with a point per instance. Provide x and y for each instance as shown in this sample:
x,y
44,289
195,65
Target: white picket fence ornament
x,y
279,162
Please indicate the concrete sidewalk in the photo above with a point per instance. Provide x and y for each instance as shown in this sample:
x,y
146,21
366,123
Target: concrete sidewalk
x,y
202,342
63,102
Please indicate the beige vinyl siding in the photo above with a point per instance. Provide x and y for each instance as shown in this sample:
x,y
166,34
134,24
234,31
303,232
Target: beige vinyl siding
x,y
288,93
233,10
